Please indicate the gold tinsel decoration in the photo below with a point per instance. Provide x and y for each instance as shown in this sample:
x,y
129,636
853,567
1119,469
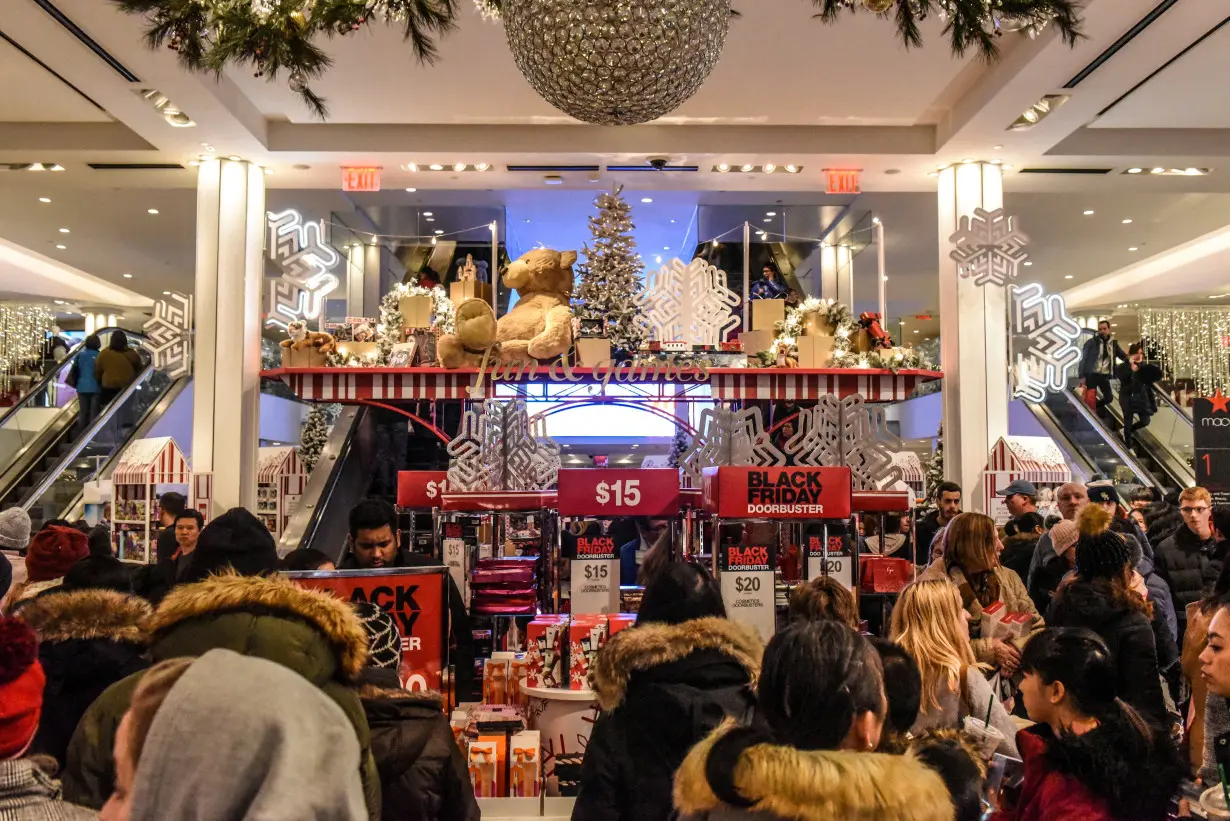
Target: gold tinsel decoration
x,y
1191,343
23,330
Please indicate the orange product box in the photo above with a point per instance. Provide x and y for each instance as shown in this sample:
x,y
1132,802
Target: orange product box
x,y
586,635
519,668
483,764
495,681
620,621
526,767
501,762
544,651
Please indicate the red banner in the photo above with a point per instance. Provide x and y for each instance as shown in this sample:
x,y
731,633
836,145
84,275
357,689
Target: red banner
x,y
414,597
777,492
614,492
421,488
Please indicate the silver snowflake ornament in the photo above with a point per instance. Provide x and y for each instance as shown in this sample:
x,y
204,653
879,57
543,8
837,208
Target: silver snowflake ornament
x,y
989,247
1045,343
169,335
465,465
690,303
727,438
847,433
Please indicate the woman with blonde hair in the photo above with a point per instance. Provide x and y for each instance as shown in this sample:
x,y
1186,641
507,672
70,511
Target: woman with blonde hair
x,y
971,563
930,624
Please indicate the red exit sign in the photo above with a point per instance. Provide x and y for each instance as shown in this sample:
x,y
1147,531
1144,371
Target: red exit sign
x,y
842,181
360,179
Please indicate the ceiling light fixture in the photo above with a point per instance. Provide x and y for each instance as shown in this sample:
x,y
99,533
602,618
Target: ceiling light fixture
x,y
438,231
769,168
459,166
61,247
234,158
770,213
1038,112
997,148
1068,276
646,199
1159,170
1029,263
1133,248
1135,170
792,169
747,168
127,276
482,166
1089,213
412,167
428,214
44,199
723,167
151,210
435,166
411,190
64,231
1127,222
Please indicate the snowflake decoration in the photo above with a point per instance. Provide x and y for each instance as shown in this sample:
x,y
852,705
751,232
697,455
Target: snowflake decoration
x,y
169,335
989,247
689,303
498,448
299,249
730,438
847,433
465,465
1045,343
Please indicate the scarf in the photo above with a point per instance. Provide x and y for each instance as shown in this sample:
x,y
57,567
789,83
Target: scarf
x,y
981,583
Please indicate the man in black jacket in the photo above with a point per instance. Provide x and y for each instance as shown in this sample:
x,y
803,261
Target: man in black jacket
x,y
1191,560
1097,365
948,505
374,543
170,505
1136,379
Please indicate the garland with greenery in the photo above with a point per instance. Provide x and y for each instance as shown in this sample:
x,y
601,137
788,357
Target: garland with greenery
x,y
315,432
845,328
271,37
388,332
934,465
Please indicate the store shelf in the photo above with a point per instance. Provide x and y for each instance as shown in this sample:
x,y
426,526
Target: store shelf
x,y
365,384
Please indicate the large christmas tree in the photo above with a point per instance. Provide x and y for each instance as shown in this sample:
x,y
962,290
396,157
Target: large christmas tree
x,y
611,278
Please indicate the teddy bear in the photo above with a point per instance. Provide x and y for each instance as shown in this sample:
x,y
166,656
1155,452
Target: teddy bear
x,y
301,338
539,326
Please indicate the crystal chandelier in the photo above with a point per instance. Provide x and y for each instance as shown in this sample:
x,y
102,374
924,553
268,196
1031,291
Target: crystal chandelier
x,y
616,62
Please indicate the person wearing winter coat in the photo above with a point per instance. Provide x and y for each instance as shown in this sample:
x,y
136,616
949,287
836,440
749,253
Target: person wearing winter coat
x,y
1090,757
1046,580
808,756
87,387
971,562
1136,378
422,773
1099,596
311,633
1195,639
28,789
52,553
948,505
228,737
88,640
929,623
1191,559
1021,537
662,686
1098,357
1215,673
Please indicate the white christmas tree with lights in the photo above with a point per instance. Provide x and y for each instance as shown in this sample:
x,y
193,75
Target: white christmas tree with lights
x,y
611,280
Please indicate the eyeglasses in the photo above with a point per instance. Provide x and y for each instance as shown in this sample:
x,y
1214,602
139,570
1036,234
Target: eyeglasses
x,y
1190,510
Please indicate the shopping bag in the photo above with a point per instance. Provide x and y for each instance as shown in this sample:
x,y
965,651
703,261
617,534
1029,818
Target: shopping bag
x,y
1091,398
884,574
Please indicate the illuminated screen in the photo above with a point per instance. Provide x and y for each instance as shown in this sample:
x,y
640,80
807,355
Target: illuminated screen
x,y
569,417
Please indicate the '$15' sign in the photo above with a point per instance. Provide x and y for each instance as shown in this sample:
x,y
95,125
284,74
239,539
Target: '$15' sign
x,y
626,493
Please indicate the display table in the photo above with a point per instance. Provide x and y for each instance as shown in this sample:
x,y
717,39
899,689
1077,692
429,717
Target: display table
x,y
515,809
726,384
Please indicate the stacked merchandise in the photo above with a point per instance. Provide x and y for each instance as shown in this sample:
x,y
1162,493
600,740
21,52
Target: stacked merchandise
x,y
504,759
505,586
561,649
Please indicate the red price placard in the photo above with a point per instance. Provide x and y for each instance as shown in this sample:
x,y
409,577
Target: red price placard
x,y
421,488
414,597
612,492
777,492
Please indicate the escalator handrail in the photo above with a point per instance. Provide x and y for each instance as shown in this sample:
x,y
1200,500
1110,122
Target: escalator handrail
x,y
1184,413
45,382
1114,444
107,468
36,492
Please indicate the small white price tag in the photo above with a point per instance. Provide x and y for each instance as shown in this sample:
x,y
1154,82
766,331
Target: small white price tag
x,y
456,558
595,586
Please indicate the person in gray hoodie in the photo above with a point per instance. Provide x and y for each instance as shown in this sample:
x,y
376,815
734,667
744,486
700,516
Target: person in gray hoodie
x,y
265,744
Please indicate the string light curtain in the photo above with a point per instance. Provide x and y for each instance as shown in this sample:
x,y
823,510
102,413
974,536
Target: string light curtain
x,y
23,329
1192,344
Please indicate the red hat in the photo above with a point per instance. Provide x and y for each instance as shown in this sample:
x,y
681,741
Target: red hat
x,y
21,687
53,551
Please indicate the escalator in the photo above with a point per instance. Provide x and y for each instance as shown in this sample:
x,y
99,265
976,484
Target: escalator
x,y
340,480
1168,442
45,448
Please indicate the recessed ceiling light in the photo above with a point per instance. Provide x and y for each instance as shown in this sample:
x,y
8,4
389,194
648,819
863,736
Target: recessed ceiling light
x,y
151,211
438,231
1029,263
723,167
916,331
1069,276
430,219
428,214
127,276
61,247
1133,248
436,167
527,221
767,219
646,199
482,166
63,230
1159,170
672,222
58,301
666,247
1135,170
166,293
44,199
996,147
411,190
770,213
769,168
1089,213
459,167
792,169
748,167
1127,222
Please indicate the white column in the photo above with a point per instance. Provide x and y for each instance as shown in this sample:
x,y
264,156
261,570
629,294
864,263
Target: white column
x,y
362,280
974,345
837,274
230,230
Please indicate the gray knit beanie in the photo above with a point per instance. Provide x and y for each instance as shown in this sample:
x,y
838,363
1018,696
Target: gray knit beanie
x,y
14,528
383,637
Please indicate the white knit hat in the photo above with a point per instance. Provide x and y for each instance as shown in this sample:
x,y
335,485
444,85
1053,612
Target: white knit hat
x,y
14,528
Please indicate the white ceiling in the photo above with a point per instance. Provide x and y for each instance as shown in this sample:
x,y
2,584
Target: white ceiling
x,y
30,94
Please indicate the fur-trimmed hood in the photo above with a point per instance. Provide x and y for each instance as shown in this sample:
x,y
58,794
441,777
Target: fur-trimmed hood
x,y
820,785
646,646
1135,776
89,614
200,609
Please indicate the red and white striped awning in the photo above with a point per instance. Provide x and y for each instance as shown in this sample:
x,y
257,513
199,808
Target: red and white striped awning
x,y
274,463
377,384
1033,458
156,461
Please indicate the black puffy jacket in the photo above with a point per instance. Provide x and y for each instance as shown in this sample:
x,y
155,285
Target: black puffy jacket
x,y
422,773
1127,632
1190,566
662,689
